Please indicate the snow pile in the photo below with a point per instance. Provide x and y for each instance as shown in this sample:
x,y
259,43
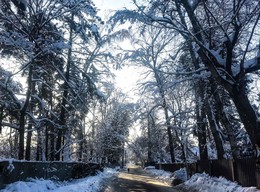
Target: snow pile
x,y
166,176
30,186
198,182
89,184
205,183
10,166
159,174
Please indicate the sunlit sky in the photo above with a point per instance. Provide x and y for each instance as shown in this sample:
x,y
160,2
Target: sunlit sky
x,y
126,77
112,4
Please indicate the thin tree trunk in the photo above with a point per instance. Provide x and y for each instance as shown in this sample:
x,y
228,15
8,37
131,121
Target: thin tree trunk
x,y
52,143
150,123
1,118
51,131
81,138
47,142
21,136
169,132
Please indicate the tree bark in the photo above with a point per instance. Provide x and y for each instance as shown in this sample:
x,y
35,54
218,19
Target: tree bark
x,y
247,115
23,114
169,132
1,118
28,143
61,129
223,117
21,136
150,123
30,125
215,130
201,131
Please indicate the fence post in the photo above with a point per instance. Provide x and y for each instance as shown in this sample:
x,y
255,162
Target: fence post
x,y
232,169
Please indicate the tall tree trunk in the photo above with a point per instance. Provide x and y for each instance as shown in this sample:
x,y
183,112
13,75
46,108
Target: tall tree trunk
x,y
23,114
52,136
1,118
61,130
28,143
166,114
201,131
52,143
247,115
200,92
169,132
81,137
30,125
150,124
223,117
39,148
21,136
215,130
47,142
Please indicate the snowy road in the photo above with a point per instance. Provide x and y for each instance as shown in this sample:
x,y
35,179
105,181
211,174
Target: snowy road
x,y
136,180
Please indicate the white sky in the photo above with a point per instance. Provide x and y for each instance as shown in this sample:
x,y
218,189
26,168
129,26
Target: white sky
x,y
126,77
112,4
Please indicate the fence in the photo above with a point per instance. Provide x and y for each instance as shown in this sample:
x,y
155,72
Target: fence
x,y
21,170
246,172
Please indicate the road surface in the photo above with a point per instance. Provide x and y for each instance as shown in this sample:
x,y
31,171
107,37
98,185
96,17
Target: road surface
x,y
135,181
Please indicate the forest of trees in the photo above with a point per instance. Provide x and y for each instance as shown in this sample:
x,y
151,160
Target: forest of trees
x,y
198,92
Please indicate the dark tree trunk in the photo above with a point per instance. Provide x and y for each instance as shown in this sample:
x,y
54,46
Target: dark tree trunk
x,y
47,142
247,115
1,118
39,146
202,134
81,139
170,138
166,115
223,117
215,130
30,126
23,114
51,134
149,126
21,136
52,143
28,143
61,130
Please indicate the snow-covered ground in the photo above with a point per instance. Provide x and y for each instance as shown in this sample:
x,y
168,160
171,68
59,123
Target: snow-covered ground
x,y
88,184
197,183
200,182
